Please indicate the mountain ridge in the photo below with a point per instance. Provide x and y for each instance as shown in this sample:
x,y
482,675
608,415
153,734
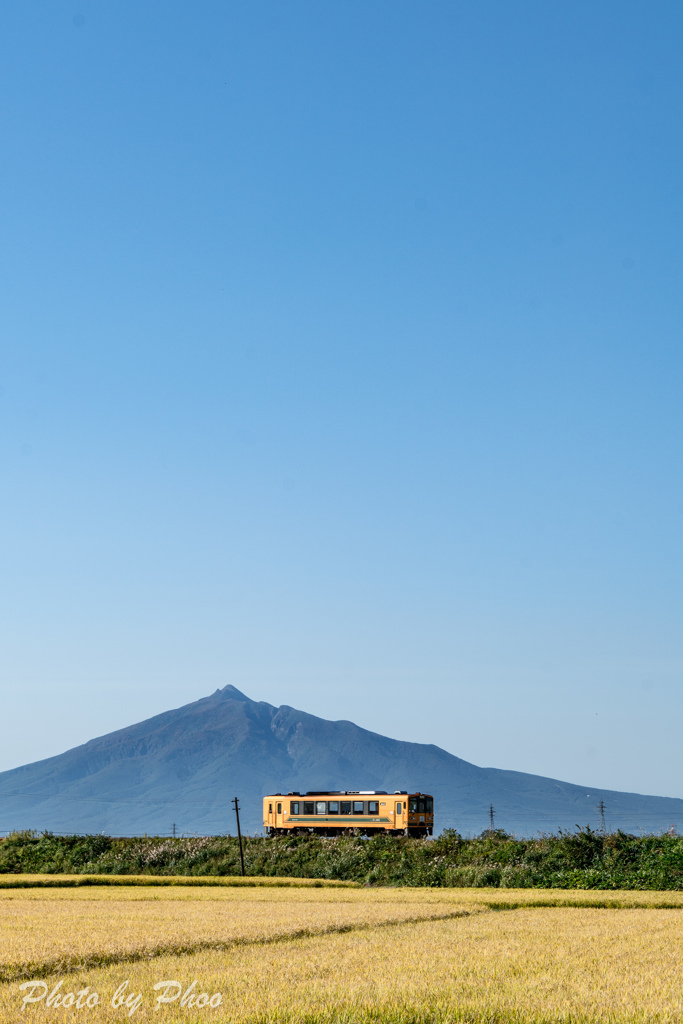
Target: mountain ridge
x,y
184,765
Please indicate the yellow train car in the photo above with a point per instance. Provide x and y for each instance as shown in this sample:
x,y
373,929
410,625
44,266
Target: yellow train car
x,y
359,812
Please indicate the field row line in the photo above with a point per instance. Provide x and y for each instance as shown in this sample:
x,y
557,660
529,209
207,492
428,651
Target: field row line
x,y
202,881
588,903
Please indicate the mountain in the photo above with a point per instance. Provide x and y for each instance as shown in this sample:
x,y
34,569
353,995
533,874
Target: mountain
x,y
185,766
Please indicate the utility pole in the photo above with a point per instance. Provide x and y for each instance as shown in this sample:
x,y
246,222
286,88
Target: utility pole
x,y
173,829
239,834
601,812
491,813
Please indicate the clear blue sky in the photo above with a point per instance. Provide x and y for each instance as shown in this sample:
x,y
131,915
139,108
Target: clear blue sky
x,y
341,361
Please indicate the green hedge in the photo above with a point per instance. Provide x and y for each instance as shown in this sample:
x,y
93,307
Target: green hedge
x,y
578,860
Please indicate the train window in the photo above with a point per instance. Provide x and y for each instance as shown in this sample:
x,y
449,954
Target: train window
x,y
399,808
429,805
357,806
270,808
334,807
308,807
320,807
345,807
294,807
421,805
413,805
373,807
279,808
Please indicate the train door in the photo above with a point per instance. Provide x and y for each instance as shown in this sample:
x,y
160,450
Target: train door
x,y
398,818
271,823
278,816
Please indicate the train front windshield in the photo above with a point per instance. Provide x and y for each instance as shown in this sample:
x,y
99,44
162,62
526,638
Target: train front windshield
x,y
421,805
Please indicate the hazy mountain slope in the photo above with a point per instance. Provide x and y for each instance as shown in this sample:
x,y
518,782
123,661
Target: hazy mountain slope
x,y
185,765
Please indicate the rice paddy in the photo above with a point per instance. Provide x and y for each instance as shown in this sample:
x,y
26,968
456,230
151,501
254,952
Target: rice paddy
x,y
330,954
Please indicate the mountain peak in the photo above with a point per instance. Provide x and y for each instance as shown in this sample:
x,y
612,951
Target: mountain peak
x,y
232,693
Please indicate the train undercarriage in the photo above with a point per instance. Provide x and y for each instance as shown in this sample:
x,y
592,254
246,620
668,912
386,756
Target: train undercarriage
x,y
418,832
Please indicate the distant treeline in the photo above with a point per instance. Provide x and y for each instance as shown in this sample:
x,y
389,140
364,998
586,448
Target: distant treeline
x,y
580,860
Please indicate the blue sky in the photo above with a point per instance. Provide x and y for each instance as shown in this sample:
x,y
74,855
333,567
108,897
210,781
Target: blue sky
x,y
341,361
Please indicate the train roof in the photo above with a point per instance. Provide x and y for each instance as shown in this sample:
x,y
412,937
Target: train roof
x,y
349,792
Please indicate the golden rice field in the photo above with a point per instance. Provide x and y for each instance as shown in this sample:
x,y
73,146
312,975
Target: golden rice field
x,y
348,955
58,930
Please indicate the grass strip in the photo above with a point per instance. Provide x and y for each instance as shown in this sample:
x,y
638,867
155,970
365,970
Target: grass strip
x,y
587,904
75,881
